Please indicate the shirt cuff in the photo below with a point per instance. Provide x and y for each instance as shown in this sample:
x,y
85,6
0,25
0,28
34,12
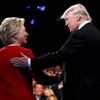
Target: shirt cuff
x,y
29,63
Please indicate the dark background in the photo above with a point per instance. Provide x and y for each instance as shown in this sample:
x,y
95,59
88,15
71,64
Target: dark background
x,y
48,33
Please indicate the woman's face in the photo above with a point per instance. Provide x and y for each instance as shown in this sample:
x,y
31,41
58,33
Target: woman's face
x,y
21,37
47,93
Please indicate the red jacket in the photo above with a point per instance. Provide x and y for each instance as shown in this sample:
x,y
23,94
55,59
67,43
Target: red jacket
x,y
15,82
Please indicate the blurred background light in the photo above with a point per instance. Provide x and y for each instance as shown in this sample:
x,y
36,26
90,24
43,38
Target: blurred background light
x,y
41,8
28,7
32,21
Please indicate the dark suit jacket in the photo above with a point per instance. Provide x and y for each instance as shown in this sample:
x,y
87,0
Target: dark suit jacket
x,y
81,55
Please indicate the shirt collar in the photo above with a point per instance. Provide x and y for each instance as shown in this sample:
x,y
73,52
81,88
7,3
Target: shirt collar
x,y
38,97
83,24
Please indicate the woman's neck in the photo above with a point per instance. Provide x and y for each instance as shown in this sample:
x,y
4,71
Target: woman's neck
x,y
14,44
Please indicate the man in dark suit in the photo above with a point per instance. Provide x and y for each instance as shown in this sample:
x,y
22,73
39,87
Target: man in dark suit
x,y
81,54
38,92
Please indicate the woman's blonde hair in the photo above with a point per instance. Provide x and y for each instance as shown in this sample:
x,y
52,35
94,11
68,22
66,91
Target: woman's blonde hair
x,y
9,28
49,90
52,96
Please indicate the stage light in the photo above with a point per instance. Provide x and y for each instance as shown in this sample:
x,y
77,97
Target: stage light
x,y
41,8
28,7
32,22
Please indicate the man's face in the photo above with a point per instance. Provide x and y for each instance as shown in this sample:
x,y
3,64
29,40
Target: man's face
x,y
38,89
71,22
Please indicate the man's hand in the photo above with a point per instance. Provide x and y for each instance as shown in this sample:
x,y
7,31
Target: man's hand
x,y
20,61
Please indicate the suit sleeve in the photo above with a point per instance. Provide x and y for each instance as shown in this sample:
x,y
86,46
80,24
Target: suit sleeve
x,y
73,47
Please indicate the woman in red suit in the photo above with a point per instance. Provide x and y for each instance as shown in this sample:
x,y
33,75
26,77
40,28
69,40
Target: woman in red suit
x,y
15,83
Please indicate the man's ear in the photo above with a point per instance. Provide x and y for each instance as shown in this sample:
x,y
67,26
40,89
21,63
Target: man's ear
x,y
78,17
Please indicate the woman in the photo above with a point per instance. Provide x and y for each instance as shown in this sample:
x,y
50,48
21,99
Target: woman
x,y
51,97
15,83
48,92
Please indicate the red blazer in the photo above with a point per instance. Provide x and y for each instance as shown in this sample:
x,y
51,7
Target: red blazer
x,y
15,82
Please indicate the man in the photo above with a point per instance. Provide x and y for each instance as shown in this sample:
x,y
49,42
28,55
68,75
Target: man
x,y
38,90
81,54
